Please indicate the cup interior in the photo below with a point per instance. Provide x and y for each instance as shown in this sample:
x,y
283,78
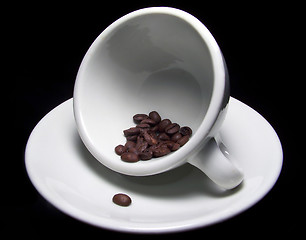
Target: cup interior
x,y
145,61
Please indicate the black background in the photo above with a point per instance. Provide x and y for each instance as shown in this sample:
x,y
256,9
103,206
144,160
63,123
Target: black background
x,y
50,41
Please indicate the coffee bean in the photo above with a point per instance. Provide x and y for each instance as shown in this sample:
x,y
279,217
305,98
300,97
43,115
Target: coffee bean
x,y
154,128
139,117
132,138
161,151
146,154
130,144
163,137
131,131
143,147
176,136
152,148
155,116
122,200
139,141
143,125
150,138
141,144
175,147
133,150
186,131
172,128
120,149
129,157
183,140
148,121
163,124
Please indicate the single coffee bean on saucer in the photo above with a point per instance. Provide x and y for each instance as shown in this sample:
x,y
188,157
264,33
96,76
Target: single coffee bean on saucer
x,y
122,200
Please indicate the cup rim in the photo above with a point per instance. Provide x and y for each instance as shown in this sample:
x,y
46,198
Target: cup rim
x,y
143,168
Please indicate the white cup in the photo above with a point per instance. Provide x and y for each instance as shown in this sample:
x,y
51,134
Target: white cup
x,y
161,59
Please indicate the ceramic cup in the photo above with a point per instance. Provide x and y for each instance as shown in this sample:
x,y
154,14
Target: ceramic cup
x,y
161,59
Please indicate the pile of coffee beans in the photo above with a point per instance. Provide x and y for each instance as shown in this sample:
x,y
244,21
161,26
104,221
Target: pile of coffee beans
x,y
152,137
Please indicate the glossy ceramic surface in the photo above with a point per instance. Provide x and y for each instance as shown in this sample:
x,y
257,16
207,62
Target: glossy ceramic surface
x,y
68,176
161,59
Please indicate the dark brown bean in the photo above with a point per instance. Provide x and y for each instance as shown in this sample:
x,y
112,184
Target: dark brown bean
x,y
175,147
182,141
163,124
161,151
133,150
130,144
131,138
150,138
122,200
163,137
129,157
141,144
148,121
186,131
155,116
176,136
154,128
131,131
143,125
152,148
172,128
120,149
139,117
139,141
146,154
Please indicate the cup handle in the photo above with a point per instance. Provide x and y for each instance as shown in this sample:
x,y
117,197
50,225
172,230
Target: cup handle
x,y
217,166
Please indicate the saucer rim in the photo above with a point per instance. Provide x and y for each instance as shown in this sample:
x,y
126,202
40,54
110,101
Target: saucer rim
x,y
179,226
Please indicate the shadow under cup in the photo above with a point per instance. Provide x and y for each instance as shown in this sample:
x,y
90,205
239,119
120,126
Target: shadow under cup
x,y
139,64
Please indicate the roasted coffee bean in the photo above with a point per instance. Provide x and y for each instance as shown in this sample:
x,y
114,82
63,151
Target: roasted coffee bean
x,y
150,138
120,149
133,150
131,131
148,121
183,140
132,138
139,117
154,128
122,200
139,141
186,131
130,144
161,151
172,128
129,157
163,124
141,145
175,147
143,125
176,136
152,148
146,154
163,137
155,116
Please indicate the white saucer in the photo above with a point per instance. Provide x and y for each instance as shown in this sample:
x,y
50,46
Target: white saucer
x,y
66,174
